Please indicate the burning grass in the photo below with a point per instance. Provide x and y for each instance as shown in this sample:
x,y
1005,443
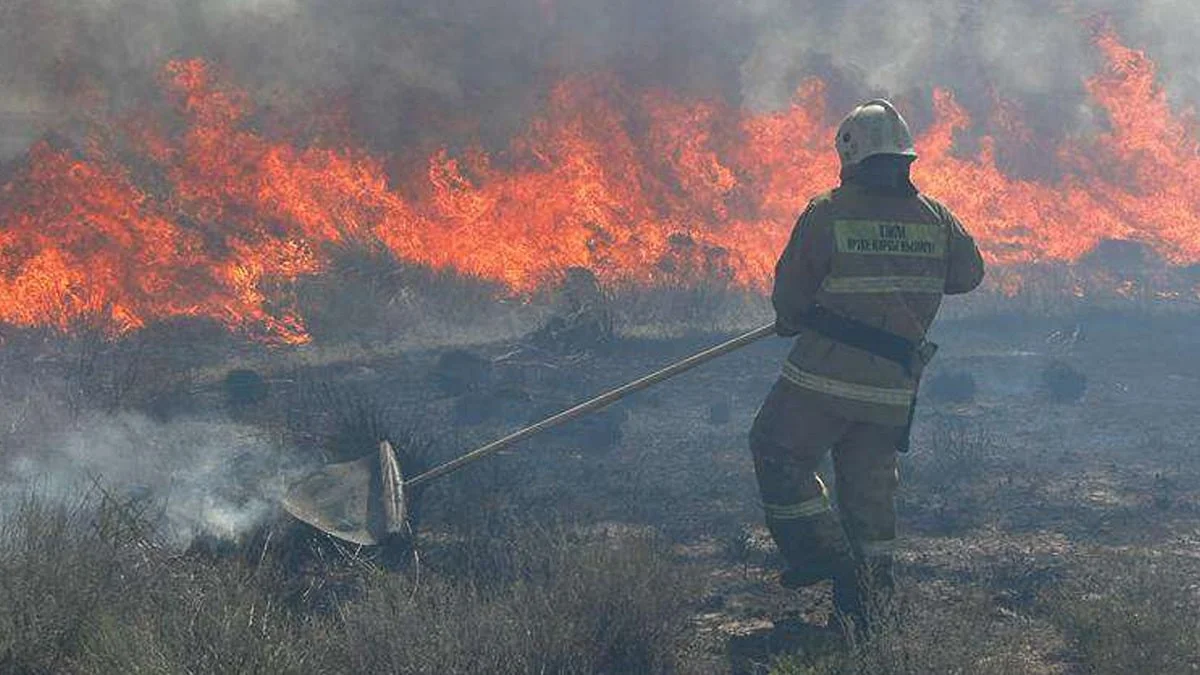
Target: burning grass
x,y
223,207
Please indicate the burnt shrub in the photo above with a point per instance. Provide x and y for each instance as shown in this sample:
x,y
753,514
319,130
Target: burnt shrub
x,y
366,295
475,408
499,405
1063,383
953,452
581,315
585,330
345,422
331,423
102,372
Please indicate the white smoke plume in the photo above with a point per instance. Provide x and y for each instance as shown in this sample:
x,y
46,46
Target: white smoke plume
x,y
189,478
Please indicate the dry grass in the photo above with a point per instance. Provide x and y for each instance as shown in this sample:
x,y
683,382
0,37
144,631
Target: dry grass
x,y
77,597
1115,613
1131,613
561,603
919,637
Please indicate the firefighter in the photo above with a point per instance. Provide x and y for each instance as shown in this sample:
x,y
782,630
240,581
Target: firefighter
x,y
858,286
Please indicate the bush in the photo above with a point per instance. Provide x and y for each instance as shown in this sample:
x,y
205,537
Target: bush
x,y
1063,383
720,410
955,452
582,318
596,432
953,475
368,296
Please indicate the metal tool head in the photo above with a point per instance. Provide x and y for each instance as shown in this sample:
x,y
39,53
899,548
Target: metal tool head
x,y
361,501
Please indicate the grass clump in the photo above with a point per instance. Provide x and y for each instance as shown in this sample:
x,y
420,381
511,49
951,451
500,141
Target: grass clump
x,y
918,637
561,603
203,618
55,578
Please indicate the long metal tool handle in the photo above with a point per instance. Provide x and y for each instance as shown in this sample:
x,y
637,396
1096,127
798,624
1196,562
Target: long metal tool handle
x,y
594,404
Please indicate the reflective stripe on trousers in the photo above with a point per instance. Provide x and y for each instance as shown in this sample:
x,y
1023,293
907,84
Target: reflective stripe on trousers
x,y
798,510
848,390
807,509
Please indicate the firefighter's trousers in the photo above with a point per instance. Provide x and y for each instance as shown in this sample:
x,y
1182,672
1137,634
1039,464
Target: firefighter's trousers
x,y
792,432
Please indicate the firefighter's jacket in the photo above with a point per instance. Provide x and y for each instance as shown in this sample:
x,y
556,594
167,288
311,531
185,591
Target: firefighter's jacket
x,y
883,259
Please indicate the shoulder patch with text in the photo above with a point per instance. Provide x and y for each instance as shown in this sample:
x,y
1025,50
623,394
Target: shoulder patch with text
x,y
881,237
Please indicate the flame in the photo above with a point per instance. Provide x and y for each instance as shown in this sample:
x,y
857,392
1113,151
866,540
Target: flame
x,y
210,211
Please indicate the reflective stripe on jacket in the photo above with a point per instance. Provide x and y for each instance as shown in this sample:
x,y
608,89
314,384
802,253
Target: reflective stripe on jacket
x,y
882,259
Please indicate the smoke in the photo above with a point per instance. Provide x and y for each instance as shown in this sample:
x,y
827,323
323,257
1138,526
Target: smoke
x,y
1035,54
193,478
409,70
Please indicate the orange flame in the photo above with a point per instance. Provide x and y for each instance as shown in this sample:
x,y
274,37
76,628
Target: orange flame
x,y
205,213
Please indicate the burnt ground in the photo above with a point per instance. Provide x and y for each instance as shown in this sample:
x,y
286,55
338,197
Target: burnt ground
x,y
1018,496
1003,495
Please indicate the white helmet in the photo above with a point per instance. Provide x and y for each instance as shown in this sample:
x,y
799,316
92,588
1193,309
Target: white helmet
x,y
873,128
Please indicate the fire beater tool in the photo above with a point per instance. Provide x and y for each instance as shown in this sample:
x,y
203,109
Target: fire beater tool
x,y
363,501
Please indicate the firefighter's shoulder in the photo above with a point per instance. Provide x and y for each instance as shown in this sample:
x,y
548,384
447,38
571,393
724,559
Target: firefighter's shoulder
x,y
942,211
819,205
